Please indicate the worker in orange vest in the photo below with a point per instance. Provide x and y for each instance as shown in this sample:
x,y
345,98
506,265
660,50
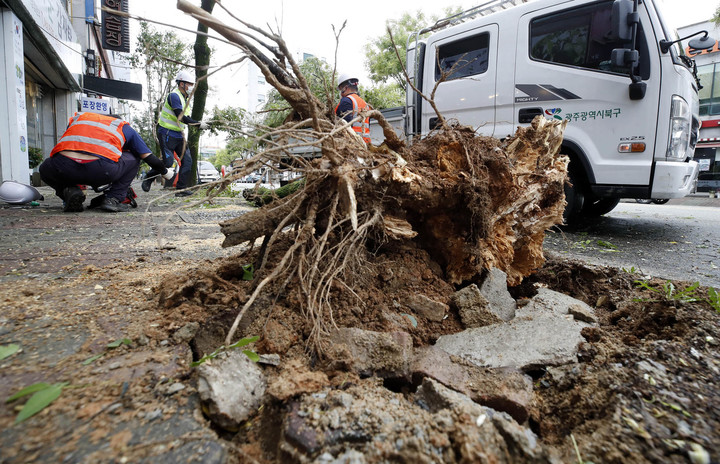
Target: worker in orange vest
x,y
351,104
97,150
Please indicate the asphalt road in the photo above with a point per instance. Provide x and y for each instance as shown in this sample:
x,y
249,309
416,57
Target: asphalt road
x,y
679,240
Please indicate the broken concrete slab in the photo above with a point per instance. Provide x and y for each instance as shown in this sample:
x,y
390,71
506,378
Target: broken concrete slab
x,y
231,387
506,390
368,353
560,303
495,431
474,309
494,289
427,307
488,304
379,425
542,334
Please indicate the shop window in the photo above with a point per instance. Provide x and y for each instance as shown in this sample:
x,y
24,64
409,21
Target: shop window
x,y
709,76
40,113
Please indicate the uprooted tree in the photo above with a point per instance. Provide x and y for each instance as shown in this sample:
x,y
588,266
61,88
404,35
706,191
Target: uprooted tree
x,y
471,202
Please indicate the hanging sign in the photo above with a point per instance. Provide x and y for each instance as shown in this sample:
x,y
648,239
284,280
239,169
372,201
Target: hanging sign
x,y
115,28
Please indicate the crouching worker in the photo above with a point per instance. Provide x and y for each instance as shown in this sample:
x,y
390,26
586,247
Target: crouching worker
x,y
97,150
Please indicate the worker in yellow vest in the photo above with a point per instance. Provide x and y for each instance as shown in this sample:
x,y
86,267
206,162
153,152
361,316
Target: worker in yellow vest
x,y
351,104
171,133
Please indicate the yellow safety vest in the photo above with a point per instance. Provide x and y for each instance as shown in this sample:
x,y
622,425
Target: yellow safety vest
x,y
167,119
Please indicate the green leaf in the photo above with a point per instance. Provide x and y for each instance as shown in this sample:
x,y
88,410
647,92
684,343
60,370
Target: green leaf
x,y
8,350
122,341
248,272
28,390
39,401
252,355
245,341
92,358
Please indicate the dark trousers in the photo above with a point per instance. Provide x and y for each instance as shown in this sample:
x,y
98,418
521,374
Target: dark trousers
x,y
172,146
60,172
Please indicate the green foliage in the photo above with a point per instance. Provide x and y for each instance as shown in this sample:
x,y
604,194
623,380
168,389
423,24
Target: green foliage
x,y
668,291
122,341
381,59
43,394
607,246
157,54
384,96
716,16
8,350
248,272
243,342
35,157
262,196
714,299
319,76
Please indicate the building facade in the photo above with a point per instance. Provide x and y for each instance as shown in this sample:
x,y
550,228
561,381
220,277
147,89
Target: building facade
x,y
708,70
53,64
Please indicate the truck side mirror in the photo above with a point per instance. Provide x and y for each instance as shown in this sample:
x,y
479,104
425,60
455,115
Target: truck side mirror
x,y
701,43
621,26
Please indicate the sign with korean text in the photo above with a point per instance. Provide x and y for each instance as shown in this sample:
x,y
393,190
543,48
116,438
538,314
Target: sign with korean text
x,y
94,105
115,28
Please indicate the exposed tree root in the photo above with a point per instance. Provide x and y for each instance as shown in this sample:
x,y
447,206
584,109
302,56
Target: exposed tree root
x,y
470,202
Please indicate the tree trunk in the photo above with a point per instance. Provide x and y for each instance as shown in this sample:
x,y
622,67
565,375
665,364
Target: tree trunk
x,y
202,61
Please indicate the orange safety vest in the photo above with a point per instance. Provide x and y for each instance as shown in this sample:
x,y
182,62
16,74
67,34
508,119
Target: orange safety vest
x,y
361,127
93,133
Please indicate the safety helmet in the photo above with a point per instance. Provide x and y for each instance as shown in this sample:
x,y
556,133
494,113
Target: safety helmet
x,y
344,77
16,193
185,76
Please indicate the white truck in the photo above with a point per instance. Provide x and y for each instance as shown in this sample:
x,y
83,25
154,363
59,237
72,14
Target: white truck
x,y
612,69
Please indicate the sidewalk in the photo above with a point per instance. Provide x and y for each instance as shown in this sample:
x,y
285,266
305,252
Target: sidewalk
x,y
74,283
695,199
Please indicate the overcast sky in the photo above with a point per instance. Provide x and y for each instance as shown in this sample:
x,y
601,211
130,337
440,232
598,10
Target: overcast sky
x,y
307,26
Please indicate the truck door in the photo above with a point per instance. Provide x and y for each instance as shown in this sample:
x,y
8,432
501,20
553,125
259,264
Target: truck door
x,y
466,63
563,71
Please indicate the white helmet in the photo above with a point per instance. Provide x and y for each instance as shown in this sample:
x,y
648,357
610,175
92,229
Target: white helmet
x,y
344,77
16,193
185,76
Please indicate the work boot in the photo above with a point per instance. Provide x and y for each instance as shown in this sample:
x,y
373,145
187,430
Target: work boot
x,y
183,193
147,183
113,205
73,199
97,201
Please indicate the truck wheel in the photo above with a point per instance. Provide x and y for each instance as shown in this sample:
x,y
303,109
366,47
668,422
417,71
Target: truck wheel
x,y
575,199
599,206
660,201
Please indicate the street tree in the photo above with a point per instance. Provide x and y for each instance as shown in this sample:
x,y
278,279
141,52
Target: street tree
x,y
160,55
319,75
202,62
381,58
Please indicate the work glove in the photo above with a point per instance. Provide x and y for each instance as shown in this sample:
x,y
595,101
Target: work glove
x,y
169,174
204,125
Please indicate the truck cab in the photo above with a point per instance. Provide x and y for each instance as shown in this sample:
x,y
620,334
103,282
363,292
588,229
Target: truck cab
x,y
608,67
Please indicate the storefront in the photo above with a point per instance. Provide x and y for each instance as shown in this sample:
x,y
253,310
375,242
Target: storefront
x,y
41,86
708,69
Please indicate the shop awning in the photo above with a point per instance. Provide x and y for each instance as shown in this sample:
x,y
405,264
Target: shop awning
x,y
112,88
708,142
41,50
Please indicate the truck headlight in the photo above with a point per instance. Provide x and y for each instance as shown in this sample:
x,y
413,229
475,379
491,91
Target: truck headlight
x,y
680,129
